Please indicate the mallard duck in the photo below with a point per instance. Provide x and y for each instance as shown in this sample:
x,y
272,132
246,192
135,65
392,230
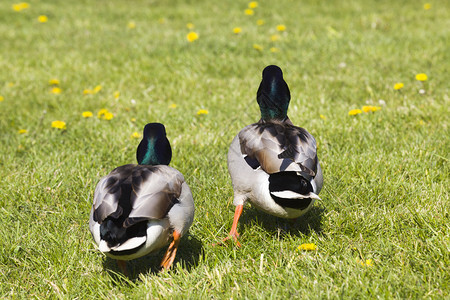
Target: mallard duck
x,y
272,163
139,208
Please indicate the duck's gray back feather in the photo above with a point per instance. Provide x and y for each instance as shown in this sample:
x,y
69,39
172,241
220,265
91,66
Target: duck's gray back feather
x,y
151,191
280,146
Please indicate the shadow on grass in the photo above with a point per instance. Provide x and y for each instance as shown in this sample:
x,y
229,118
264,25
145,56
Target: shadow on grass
x,y
188,254
304,225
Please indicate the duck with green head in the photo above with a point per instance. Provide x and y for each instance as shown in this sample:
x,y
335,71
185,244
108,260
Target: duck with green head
x,y
272,163
140,208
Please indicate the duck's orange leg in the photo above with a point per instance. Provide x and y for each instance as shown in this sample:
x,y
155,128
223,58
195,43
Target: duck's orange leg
x,y
169,257
233,232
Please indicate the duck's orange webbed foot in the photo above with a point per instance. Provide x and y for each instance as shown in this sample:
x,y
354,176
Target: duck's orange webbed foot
x,y
169,257
233,232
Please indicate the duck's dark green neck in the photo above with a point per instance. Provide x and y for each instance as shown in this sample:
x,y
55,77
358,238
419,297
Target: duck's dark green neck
x,y
273,95
154,148
273,113
148,154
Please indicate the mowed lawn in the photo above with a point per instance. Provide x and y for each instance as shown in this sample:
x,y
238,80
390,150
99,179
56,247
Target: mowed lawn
x,y
382,228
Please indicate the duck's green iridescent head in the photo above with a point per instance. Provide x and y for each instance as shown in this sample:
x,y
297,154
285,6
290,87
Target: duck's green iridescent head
x,y
273,94
154,148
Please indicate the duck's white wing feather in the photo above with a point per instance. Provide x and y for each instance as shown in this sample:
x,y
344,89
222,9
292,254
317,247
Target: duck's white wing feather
x,y
279,147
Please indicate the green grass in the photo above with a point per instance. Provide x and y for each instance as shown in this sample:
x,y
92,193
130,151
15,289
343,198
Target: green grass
x,y
386,190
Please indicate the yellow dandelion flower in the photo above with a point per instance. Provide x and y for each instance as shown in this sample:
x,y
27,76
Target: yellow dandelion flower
x,y
260,22
427,6
323,117
190,26
422,77
2,98
108,116
370,108
11,84
281,27
307,247
237,30
56,91
173,105
131,25
87,114
59,125
366,263
20,6
398,86
53,81
104,114
354,112
101,113
133,120
249,12
258,47
274,37
97,89
192,36
135,135
421,122
22,131
87,92
253,4
274,50
162,21
42,19
202,112
116,95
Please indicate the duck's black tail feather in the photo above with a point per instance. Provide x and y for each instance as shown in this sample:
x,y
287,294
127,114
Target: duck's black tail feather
x,y
289,183
113,232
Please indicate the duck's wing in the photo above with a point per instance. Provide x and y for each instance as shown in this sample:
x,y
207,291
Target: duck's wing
x,y
277,147
139,191
110,189
155,190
